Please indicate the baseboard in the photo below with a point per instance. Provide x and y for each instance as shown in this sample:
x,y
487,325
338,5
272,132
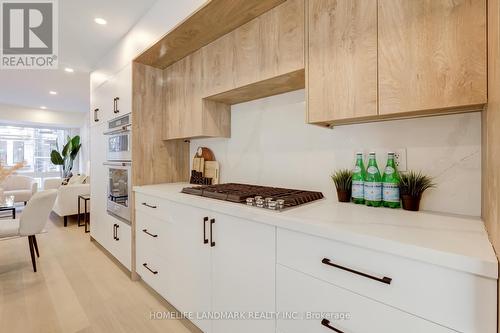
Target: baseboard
x,y
169,307
110,256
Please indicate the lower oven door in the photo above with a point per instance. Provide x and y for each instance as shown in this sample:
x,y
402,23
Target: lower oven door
x,y
119,189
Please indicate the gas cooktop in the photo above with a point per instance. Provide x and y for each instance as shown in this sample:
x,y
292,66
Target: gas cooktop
x,y
273,198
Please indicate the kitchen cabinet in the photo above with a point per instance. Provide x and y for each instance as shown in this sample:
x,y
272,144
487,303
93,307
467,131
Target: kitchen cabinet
x,y
424,290
122,91
335,309
282,36
183,111
112,98
98,180
266,47
342,63
432,54
103,229
262,260
243,273
210,263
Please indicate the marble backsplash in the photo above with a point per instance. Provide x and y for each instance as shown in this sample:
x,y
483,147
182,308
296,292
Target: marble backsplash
x,y
272,145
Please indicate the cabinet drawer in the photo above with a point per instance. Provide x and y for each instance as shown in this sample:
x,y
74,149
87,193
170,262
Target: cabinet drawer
x,y
428,291
153,206
313,301
152,233
155,275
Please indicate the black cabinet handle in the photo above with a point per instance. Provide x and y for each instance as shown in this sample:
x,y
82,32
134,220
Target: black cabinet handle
x,y
149,269
205,239
96,119
326,323
114,231
385,279
150,234
115,105
117,226
150,206
212,243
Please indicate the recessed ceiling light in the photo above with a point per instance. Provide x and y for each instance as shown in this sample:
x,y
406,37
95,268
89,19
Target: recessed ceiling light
x,y
52,92
69,70
43,107
100,21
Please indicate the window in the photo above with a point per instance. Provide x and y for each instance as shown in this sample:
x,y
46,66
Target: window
x,y
32,145
3,152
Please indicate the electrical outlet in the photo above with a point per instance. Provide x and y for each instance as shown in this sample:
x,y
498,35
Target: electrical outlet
x,y
400,159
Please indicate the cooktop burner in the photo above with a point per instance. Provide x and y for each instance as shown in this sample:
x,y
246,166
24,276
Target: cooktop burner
x,y
274,198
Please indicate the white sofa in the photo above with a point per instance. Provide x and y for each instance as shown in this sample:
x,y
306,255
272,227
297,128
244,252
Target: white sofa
x,y
67,196
21,187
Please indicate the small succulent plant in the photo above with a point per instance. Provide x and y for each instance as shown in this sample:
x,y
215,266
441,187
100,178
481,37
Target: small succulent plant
x,y
342,179
415,183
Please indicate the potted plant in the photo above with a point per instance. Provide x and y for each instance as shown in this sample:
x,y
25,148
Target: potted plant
x,y
343,182
411,187
67,155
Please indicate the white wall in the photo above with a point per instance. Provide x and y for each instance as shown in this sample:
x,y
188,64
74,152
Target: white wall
x,y
271,145
159,20
10,114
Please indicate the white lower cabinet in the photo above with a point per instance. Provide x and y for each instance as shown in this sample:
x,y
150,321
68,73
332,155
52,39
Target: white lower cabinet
x,y
243,273
320,307
217,267
207,264
113,234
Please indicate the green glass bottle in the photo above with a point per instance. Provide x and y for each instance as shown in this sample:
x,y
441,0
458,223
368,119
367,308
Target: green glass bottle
x,y
358,180
390,184
373,183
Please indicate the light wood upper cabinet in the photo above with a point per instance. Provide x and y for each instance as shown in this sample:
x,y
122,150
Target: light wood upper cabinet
x,y
432,54
282,34
268,46
342,59
182,91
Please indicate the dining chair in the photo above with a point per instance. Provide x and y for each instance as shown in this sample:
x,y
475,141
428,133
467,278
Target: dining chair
x,y
32,221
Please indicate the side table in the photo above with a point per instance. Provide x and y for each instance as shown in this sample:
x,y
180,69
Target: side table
x,y
86,214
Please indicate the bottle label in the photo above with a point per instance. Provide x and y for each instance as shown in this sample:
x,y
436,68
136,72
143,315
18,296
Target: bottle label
x,y
357,189
373,191
357,169
389,170
390,192
372,170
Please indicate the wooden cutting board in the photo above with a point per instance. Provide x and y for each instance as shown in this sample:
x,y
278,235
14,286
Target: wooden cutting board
x,y
212,171
199,164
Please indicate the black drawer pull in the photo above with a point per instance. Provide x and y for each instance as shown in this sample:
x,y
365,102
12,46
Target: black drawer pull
x,y
385,279
149,269
212,243
150,206
205,239
326,323
117,238
150,234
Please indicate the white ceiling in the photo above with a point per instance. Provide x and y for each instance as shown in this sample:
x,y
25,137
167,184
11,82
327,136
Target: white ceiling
x,y
82,43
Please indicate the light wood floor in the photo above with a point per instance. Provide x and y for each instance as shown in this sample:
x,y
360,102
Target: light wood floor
x,y
77,288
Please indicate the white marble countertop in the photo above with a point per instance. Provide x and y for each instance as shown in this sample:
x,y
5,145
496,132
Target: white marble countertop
x,y
455,242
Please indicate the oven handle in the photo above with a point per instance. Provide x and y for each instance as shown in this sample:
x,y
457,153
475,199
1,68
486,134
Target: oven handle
x,y
123,164
123,129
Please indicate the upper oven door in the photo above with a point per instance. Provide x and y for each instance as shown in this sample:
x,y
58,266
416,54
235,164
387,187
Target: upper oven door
x,y
119,146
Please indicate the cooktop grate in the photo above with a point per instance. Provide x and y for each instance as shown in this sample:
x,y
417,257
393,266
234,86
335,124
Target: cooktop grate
x,y
239,193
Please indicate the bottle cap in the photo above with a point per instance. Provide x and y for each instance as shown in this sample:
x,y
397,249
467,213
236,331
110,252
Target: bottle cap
x,y
391,153
372,153
359,153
